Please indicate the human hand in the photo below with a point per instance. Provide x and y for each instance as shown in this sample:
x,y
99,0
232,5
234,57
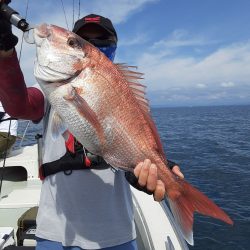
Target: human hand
x,y
177,171
7,39
146,173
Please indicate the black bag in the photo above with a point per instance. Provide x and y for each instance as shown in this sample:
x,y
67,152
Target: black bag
x,y
2,114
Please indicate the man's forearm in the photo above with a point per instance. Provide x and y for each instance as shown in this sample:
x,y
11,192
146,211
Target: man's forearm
x,y
18,100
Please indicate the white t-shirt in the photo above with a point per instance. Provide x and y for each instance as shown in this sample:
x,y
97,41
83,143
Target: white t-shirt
x,y
5,125
91,209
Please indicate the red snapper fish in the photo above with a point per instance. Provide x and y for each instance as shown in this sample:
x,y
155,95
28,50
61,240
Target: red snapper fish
x,y
104,106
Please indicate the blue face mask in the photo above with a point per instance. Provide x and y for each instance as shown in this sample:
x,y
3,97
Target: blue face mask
x,y
109,51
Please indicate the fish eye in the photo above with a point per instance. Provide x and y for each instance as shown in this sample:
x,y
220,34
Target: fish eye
x,y
73,42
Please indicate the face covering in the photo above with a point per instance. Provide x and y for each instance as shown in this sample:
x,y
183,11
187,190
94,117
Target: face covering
x,y
109,51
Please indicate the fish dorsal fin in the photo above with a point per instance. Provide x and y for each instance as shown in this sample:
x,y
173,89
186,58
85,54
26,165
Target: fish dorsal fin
x,y
139,91
137,88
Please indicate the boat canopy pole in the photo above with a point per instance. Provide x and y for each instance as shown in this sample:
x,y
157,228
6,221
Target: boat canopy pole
x,y
13,17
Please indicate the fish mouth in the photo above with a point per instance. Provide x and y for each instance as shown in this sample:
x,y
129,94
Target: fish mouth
x,y
41,33
43,30
36,34
49,66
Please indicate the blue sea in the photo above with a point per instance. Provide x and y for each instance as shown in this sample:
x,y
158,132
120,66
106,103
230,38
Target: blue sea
x,y
212,147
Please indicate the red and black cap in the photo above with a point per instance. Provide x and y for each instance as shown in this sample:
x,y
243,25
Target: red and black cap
x,y
101,21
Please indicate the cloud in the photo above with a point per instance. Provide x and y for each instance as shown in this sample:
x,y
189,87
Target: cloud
x,y
118,11
227,84
180,69
226,65
181,38
222,75
201,85
136,40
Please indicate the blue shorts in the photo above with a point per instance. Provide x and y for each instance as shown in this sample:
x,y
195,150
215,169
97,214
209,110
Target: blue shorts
x,y
49,245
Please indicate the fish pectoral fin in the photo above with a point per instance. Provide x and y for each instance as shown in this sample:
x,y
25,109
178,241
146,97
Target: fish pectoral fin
x,y
58,126
85,110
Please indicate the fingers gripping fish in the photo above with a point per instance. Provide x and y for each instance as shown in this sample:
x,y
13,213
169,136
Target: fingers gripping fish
x,y
104,106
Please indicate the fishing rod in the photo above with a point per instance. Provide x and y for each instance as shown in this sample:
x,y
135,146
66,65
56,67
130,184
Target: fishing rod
x,y
13,16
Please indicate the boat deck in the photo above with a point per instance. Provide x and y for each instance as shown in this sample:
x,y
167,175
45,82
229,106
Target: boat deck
x,y
155,226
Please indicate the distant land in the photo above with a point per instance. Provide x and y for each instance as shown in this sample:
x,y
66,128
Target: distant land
x,y
197,106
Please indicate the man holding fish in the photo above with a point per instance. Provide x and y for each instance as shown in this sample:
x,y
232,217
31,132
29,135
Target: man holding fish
x,y
79,209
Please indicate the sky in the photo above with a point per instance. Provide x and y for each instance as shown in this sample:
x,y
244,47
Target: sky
x,y
192,52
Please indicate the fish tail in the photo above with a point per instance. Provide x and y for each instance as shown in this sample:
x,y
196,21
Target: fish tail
x,y
192,200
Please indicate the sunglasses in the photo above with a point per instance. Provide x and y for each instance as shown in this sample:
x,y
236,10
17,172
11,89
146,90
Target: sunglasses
x,y
100,41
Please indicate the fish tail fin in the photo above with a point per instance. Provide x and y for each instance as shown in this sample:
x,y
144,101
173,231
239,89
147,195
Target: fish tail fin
x,y
192,200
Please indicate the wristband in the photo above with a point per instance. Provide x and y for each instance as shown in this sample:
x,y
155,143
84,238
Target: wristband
x,y
133,181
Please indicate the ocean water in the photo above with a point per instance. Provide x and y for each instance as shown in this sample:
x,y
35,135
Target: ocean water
x,y
212,147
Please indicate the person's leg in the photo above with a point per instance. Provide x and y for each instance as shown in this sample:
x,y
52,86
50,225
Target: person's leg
x,y
131,245
42,244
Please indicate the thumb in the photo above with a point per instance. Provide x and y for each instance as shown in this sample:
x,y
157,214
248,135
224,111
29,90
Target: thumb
x,y
177,171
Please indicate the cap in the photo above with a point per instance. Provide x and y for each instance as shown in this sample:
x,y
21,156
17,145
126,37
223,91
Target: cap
x,y
96,19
